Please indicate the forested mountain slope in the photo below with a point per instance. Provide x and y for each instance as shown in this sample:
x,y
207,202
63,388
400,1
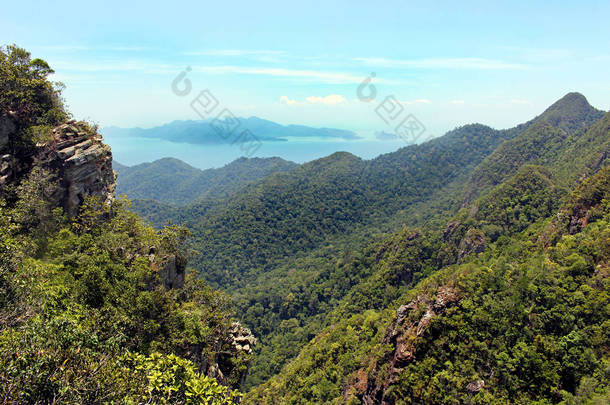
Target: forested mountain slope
x,y
545,141
473,268
172,181
523,319
275,245
293,212
290,247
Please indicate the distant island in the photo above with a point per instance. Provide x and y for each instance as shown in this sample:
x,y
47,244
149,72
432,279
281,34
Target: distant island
x,y
201,132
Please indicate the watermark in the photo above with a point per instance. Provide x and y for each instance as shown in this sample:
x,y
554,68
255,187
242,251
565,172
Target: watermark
x,y
406,126
224,123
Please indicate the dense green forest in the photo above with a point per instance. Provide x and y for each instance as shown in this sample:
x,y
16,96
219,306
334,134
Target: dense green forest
x,y
472,268
524,322
293,247
172,181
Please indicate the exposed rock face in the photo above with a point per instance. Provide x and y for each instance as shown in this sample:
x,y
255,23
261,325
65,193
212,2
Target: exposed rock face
x,y
172,270
77,160
80,163
7,164
475,386
473,242
238,346
243,339
243,345
7,128
412,320
460,242
451,229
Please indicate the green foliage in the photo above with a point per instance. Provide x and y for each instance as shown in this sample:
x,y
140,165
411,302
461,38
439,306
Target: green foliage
x,y
321,253
296,232
71,308
172,181
27,96
297,250
316,376
532,322
170,380
554,139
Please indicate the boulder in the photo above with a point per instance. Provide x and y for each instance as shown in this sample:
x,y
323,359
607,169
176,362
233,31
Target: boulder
x,y
475,386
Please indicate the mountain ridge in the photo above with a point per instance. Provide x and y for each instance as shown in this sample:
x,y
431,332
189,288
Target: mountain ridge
x,y
170,180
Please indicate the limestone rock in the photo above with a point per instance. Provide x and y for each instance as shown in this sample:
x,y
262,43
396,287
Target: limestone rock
x,y
475,386
403,335
80,163
172,270
450,230
243,339
7,164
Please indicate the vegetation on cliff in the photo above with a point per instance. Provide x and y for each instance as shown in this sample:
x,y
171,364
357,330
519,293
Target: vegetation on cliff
x,y
86,315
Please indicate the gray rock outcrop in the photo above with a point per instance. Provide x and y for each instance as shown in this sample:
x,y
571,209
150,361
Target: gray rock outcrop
x,y
80,163
75,157
172,270
7,128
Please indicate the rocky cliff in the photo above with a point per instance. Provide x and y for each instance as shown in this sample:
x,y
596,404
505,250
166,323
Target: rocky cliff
x,y
370,385
79,163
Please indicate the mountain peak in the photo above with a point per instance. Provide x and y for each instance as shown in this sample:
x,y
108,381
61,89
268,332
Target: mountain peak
x,y
570,101
571,112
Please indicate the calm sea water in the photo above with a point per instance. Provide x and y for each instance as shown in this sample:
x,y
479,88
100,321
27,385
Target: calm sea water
x,y
131,151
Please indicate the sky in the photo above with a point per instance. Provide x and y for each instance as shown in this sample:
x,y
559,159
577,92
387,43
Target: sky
x,y
447,63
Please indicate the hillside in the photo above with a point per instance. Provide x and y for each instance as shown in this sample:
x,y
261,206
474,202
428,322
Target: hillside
x,y
294,212
471,269
389,268
544,141
296,231
172,181
524,321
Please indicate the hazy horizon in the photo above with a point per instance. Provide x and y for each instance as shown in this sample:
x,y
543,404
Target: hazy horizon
x,y
448,67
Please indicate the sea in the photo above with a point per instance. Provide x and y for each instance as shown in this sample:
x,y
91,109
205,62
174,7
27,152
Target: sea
x,y
134,150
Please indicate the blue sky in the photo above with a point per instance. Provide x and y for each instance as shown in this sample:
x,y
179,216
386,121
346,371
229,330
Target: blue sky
x,y
449,63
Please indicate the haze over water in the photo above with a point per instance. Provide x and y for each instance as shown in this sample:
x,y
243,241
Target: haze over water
x,y
134,150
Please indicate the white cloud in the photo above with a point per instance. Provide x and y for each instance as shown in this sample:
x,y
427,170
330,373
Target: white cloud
x,y
287,101
331,99
457,101
134,65
539,54
441,63
79,48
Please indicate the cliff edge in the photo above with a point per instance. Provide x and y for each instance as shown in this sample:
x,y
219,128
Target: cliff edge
x,y
75,157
